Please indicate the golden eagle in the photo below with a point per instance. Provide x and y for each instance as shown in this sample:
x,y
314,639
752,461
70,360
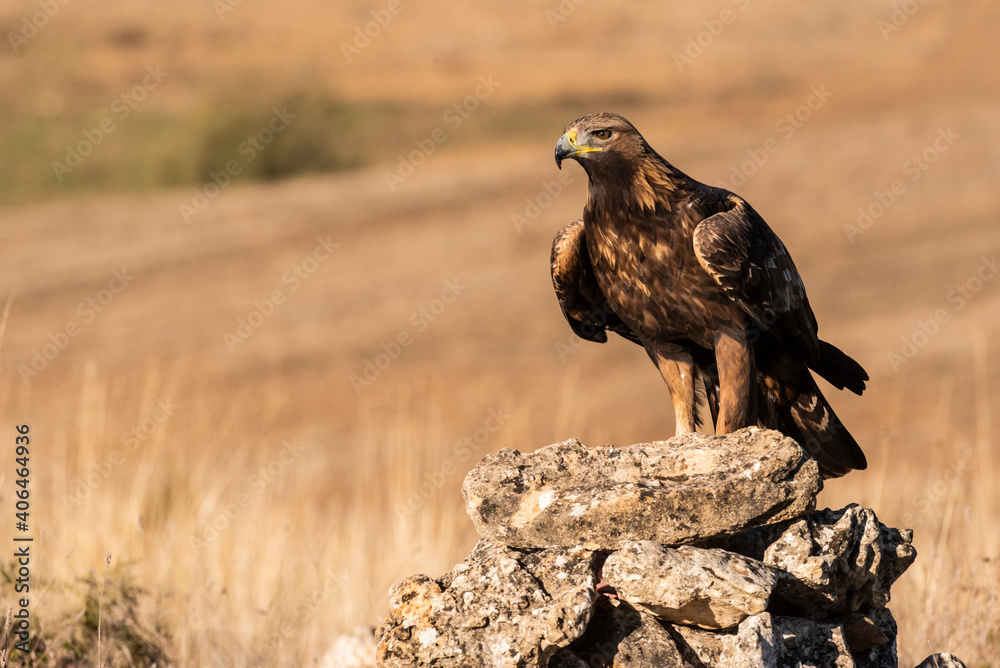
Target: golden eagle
x,y
696,277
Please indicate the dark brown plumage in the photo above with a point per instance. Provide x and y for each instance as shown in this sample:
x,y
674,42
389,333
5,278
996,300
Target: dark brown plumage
x,y
696,277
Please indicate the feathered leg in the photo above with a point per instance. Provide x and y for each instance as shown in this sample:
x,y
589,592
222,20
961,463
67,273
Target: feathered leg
x,y
737,379
677,368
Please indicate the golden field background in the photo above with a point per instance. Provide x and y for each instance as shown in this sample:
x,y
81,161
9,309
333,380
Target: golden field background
x,y
257,504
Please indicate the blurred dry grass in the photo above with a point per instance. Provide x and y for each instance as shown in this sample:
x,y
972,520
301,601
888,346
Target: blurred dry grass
x,y
273,506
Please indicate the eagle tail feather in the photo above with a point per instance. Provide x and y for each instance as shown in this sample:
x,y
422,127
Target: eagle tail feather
x,y
839,369
822,434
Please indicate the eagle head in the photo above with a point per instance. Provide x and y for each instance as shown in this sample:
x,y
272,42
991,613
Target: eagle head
x,y
600,139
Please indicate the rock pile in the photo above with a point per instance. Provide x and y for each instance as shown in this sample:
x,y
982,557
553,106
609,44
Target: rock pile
x,y
694,552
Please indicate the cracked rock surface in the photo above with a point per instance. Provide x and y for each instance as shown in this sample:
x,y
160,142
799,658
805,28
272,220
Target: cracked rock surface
x,y
839,561
619,636
567,494
713,589
500,607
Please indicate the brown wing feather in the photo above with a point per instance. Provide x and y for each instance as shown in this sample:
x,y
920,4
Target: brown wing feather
x,y
749,262
581,299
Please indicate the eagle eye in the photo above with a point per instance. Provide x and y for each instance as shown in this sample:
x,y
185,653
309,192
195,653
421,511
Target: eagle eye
x,y
603,134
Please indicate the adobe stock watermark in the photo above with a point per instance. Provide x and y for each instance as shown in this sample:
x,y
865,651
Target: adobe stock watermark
x,y
87,310
900,15
131,439
698,43
364,34
934,493
958,297
594,324
914,167
334,585
420,320
566,9
31,25
786,127
292,278
461,451
121,108
223,7
227,514
248,149
534,206
454,116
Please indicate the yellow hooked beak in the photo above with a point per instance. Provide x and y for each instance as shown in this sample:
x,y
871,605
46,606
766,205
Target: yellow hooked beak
x,y
567,147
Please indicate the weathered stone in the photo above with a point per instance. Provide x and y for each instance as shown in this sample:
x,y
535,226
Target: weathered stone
x,y
752,542
500,607
690,488
771,641
944,660
714,532
802,642
619,636
698,646
836,562
712,589
753,645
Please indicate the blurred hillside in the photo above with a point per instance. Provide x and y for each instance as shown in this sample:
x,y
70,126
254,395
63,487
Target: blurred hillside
x,y
372,286
362,92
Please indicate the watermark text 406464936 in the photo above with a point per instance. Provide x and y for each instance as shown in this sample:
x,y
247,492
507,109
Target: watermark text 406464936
x,y
21,621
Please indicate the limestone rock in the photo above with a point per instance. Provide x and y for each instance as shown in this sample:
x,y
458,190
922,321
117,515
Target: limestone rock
x,y
500,607
711,543
712,589
690,488
698,646
836,562
767,641
619,636
754,645
944,660
808,643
